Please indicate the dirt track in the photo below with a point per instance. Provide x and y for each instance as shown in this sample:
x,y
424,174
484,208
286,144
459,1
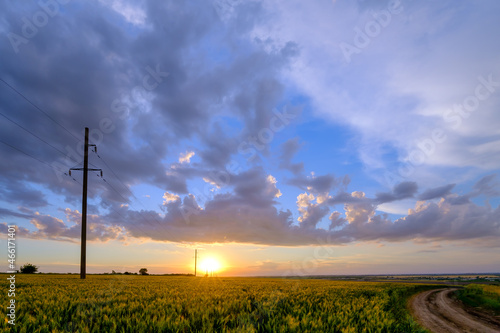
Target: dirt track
x,y
439,313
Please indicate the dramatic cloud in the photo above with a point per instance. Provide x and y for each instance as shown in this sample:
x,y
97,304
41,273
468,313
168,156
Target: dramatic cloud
x,y
138,104
248,215
206,107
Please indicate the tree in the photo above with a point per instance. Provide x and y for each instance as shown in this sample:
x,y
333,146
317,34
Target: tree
x,y
29,269
143,271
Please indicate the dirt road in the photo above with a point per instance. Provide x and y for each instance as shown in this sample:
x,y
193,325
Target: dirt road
x,y
440,313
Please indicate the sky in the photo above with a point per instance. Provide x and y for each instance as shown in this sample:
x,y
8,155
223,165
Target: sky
x,y
277,137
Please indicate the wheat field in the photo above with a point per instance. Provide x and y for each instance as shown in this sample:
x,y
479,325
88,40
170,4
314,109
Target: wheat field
x,y
119,303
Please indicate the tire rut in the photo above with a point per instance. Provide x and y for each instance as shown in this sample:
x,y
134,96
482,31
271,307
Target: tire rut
x,y
437,312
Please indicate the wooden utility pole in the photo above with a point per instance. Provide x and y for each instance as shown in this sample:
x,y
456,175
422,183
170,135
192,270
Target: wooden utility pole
x,y
195,260
85,169
83,251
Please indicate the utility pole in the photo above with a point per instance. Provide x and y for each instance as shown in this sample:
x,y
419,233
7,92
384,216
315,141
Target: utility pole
x,y
85,169
195,259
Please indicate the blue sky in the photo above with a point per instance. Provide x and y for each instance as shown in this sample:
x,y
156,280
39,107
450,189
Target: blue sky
x,y
280,137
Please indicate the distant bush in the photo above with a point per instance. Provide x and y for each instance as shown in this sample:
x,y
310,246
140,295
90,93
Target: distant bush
x,y
29,269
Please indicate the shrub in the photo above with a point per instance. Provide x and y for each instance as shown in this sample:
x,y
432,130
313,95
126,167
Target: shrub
x,y
29,269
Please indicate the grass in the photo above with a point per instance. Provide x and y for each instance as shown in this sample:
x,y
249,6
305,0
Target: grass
x,y
481,296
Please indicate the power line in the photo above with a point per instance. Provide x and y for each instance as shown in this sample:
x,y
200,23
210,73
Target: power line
x,y
36,136
137,227
125,186
114,189
125,200
52,167
25,153
106,164
38,108
111,206
59,124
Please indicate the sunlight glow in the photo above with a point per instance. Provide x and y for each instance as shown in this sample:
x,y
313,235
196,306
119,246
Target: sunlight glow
x,y
210,266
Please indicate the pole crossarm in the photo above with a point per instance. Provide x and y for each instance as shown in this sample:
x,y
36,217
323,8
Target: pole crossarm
x,y
81,169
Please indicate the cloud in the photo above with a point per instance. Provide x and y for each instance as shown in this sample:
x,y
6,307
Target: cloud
x,y
140,100
487,186
420,99
272,186
358,213
311,213
344,198
153,78
169,197
437,192
17,192
20,231
255,188
10,213
219,148
288,151
401,191
186,157
337,221
49,227
248,215
314,184
133,14
266,265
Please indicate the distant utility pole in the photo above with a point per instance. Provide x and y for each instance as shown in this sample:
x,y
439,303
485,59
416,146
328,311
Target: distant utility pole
x,y
85,169
195,261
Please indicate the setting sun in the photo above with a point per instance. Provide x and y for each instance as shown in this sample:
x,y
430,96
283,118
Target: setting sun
x,y
210,266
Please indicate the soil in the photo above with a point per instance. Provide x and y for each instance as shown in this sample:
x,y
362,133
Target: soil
x,y
440,312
